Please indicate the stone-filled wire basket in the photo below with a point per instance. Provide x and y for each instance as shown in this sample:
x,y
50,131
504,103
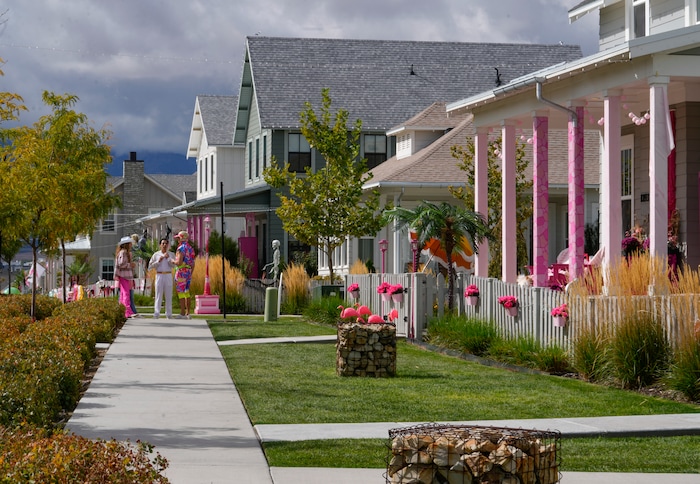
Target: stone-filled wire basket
x,y
469,454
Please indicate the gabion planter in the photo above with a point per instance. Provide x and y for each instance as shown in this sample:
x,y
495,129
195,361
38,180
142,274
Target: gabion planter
x,y
433,453
366,350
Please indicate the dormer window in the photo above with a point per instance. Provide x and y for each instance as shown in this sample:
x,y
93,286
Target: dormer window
x,y
640,18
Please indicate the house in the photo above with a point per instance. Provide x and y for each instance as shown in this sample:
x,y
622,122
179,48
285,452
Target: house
x,y
140,194
219,166
639,92
383,83
424,169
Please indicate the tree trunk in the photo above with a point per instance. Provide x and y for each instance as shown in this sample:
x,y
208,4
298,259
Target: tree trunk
x,y
63,270
450,281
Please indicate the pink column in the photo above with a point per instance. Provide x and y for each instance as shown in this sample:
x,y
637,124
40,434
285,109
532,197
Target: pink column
x,y
660,145
540,237
509,267
481,194
610,183
576,196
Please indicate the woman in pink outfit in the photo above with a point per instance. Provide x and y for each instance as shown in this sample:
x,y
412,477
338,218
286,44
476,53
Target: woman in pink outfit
x,y
124,272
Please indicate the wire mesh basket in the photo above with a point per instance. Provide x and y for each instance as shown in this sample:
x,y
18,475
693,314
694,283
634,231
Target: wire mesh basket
x,y
469,454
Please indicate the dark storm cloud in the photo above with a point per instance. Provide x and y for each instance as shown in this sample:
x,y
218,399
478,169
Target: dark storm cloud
x,y
137,65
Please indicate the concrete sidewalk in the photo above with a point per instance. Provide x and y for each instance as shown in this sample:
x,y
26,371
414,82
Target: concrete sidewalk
x,y
165,382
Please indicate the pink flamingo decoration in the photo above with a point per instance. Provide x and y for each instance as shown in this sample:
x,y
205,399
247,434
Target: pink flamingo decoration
x,y
393,315
375,318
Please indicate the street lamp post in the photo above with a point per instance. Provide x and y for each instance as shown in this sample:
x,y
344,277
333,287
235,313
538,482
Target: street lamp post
x,y
414,249
383,246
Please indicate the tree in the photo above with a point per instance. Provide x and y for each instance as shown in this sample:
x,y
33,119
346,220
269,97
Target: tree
x,y
56,177
231,251
326,207
523,188
448,224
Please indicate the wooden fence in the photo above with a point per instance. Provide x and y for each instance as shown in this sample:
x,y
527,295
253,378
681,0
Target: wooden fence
x,y
426,297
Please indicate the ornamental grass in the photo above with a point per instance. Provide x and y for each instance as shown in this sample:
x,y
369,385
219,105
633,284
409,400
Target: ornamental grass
x,y
296,289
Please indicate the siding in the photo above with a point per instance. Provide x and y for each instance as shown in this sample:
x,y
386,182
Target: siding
x,y
667,15
612,26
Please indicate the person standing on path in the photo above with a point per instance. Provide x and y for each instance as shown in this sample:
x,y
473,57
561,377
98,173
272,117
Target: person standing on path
x,y
163,262
184,260
124,273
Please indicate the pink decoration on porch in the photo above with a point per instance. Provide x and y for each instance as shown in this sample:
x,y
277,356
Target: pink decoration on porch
x,y
540,127
576,196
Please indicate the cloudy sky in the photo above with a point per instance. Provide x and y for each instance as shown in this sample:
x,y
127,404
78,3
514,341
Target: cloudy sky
x,y
137,65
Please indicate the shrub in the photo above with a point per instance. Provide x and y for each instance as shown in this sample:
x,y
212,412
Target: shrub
x,y
296,289
32,455
639,350
324,310
589,355
553,359
685,369
471,335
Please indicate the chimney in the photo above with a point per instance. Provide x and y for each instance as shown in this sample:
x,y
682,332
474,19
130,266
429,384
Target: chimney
x,y
134,187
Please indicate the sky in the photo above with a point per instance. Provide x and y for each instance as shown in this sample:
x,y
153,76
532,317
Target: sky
x,y
138,65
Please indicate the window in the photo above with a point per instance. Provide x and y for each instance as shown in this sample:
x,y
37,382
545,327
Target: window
x,y
365,251
206,173
640,16
250,160
299,153
257,158
627,174
265,149
211,175
375,149
697,11
107,269
109,223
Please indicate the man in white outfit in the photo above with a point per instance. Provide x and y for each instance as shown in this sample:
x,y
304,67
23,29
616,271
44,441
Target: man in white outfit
x,y
163,262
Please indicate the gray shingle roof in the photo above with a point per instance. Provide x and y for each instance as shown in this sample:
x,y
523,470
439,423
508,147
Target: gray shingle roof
x,y
372,78
178,184
218,117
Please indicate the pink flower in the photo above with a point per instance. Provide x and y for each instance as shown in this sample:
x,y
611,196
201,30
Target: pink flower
x,y
353,287
561,311
508,301
383,287
471,290
395,289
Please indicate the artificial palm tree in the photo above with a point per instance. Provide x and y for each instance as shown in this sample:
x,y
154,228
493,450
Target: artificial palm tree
x,y
446,223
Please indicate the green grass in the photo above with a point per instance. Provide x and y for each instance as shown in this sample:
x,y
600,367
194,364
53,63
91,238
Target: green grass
x,y
244,327
297,384
645,455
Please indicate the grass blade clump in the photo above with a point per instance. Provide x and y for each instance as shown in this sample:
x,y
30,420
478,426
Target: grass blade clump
x,y
471,335
296,289
639,350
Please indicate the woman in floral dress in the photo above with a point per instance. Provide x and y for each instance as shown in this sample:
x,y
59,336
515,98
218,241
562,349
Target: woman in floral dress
x,y
184,261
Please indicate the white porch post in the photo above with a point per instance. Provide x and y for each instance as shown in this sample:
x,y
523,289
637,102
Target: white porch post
x,y
660,145
540,237
481,195
508,201
576,195
610,190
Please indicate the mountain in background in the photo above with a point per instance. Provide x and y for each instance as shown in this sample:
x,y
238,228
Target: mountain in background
x,y
155,162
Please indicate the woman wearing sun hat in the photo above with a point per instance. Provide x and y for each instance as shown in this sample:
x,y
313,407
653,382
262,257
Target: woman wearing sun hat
x,y
124,272
184,261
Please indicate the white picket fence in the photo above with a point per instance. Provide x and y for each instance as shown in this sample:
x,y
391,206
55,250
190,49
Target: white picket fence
x,y
426,296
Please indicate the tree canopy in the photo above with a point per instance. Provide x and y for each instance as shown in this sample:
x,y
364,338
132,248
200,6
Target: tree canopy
x,y
324,207
447,223
55,177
